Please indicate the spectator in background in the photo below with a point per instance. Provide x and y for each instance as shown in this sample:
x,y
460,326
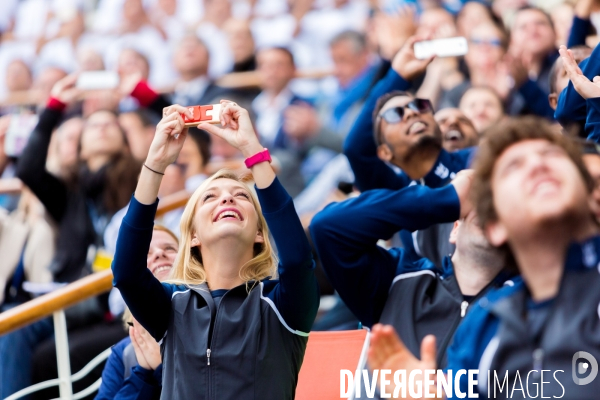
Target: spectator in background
x,y
191,61
487,47
89,59
458,131
354,75
163,16
471,15
532,52
27,241
482,106
241,43
44,82
276,69
61,49
574,125
211,30
321,130
134,368
18,76
81,209
136,32
17,79
63,153
436,22
132,63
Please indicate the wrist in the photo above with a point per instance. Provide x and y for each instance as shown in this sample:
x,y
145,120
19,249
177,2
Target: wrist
x,y
156,166
56,104
252,149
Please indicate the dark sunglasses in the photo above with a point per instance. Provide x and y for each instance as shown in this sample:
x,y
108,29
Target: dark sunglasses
x,y
395,115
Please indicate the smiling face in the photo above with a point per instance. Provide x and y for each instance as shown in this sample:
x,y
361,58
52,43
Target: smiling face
x,y
226,209
415,131
457,130
534,182
161,255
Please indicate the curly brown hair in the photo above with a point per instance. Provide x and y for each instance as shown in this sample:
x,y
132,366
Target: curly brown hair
x,y
498,139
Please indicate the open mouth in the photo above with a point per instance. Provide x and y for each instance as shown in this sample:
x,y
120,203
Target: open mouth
x,y
453,135
417,128
162,268
228,213
546,185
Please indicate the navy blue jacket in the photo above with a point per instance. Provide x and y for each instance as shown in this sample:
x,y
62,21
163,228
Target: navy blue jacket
x,y
571,107
256,333
592,122
392,286
142,384
371,172
580,29
496,335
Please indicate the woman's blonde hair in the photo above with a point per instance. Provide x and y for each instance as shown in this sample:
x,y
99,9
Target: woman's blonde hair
x,y
188,268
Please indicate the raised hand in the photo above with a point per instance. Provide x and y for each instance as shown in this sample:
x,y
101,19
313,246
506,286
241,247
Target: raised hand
x,y
236,129
128,83
388,352
147,351
168,139
462,184
65,90
586,88
406,64
392,29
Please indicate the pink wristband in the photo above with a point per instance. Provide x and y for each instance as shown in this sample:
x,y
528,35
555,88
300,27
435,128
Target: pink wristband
x,y
259,157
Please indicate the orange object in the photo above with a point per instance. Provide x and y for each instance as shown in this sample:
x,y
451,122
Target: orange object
x,y
208,113
326,354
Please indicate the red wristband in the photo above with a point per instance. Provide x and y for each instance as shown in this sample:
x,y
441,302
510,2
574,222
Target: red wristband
x,y
55,104
144,94
259,157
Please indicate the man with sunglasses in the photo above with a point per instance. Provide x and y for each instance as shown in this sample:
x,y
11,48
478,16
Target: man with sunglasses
x,y
398,129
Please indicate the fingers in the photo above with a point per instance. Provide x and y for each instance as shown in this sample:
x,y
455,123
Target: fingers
x,y
212,129
385,343
428,351
569,62
139,352
176,108
230,113
69,80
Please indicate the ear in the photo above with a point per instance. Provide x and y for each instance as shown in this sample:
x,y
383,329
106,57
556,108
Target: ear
x,y
195,242
454,233
259,237
384,152
496,233
553,100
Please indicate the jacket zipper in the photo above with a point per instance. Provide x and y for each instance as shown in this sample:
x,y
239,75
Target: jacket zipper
x,y
463,308
463,311
207,356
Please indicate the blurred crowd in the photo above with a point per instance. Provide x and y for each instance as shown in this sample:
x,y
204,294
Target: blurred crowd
x,y
303,68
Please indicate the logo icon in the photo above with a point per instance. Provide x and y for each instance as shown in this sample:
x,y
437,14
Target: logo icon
x,y
581,367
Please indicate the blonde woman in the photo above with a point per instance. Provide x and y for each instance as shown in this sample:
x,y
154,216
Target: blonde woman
x,y
228,329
